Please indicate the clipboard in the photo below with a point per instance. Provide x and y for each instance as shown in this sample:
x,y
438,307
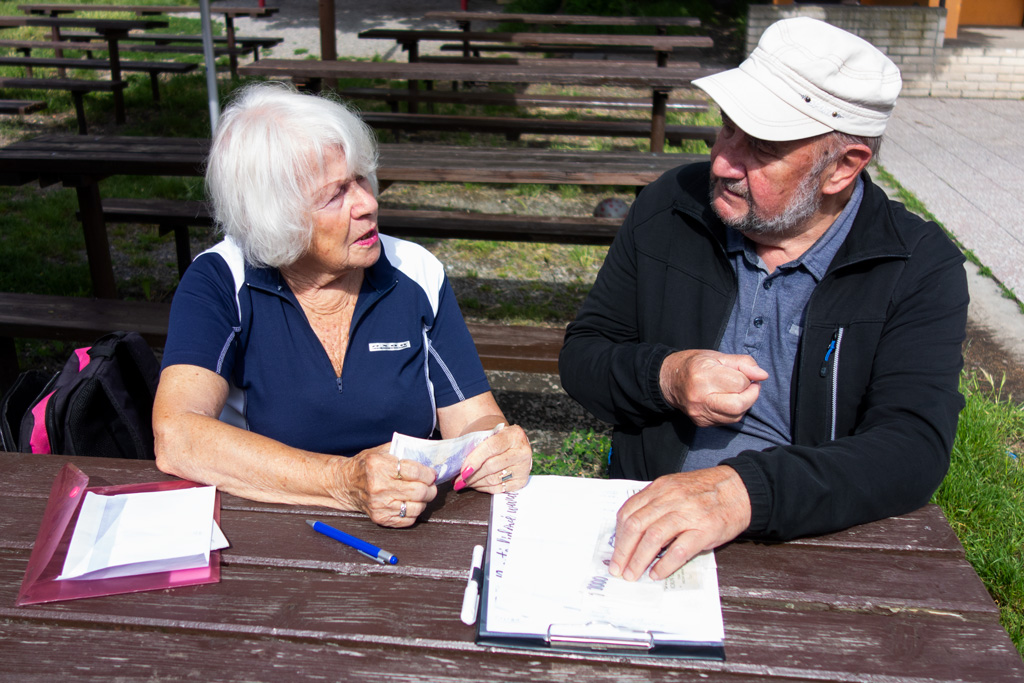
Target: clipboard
x,y
47,559
585,635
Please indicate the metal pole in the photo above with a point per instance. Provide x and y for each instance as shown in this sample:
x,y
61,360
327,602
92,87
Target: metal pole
x,y
211,65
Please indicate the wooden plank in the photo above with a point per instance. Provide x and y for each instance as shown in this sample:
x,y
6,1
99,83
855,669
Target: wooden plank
x,y
101,156
20,106
504,125
517,99
146,10
659,43
501,347
98,64
72,84
162,38
416,617
561,19
554,71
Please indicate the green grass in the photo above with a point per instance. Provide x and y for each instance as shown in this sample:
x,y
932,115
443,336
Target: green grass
x,y
583,454
983,496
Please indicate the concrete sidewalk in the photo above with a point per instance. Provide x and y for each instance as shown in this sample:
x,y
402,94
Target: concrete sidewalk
x,y
964,160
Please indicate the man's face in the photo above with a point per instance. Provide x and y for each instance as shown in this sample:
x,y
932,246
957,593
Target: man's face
x,y
765,188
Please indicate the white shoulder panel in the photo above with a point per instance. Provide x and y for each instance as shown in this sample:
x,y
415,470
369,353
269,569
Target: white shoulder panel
x,y
418,264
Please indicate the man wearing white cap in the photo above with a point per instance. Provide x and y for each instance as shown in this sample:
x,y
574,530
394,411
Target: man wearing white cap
x,y
777,344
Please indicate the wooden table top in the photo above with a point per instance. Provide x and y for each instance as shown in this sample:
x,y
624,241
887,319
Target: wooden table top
x,y
555,71
562,19
146,10
659,43
72,158
893,601
99,25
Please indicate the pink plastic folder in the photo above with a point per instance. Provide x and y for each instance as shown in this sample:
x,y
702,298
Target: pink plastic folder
x,y
51,547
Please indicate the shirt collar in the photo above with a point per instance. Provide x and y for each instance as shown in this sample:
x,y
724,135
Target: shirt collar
x,y
379,277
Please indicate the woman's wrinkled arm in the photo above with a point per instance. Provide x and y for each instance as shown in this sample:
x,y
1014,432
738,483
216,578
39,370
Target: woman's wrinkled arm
x,y
192,443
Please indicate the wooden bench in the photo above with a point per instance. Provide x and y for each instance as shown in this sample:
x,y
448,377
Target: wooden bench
x,y
513,128
76,86
154,69
395,96
80,319
177,216
20,106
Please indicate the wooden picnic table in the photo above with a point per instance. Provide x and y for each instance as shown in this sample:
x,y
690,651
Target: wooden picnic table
x,y
112,30
82,161
662,46
659,80
229,13
892,601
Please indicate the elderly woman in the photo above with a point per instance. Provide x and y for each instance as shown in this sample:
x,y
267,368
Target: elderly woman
x,y
306,335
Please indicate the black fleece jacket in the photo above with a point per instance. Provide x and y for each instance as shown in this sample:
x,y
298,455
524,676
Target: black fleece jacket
x,y
872,427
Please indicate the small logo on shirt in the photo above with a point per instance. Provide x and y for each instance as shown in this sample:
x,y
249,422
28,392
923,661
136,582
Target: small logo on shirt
x,y
389,346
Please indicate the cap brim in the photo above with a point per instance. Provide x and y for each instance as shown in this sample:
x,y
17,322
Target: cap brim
x,y
756,109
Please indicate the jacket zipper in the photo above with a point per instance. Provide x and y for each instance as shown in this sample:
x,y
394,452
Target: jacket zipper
x,y
832,353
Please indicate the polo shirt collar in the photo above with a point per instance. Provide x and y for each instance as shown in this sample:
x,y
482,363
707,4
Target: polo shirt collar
x,y
377,279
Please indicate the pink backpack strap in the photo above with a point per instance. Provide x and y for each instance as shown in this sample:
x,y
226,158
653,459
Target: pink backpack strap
x,y
39,440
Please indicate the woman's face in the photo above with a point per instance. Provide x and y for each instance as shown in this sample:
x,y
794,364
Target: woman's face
x,y
344,220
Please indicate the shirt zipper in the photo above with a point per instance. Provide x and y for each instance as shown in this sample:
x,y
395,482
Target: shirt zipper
x,y
832,353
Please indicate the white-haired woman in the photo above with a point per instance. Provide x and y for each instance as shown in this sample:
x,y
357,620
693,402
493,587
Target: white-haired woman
x,y
306,335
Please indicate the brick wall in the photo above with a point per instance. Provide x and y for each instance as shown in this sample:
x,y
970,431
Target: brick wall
x,y
912,37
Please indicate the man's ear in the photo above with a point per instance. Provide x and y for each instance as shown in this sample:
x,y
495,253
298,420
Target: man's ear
x,y
854,160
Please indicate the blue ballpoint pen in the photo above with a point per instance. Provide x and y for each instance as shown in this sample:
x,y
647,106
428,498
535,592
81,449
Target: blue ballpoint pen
x,y
368,549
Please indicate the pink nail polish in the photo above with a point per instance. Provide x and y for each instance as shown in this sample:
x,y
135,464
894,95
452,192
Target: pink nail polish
x,y
467,473
459,484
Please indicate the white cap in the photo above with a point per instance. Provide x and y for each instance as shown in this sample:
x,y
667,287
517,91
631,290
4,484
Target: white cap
x,y
805,78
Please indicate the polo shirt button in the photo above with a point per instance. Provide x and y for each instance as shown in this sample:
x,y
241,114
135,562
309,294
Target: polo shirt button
x,y
758,321
767,284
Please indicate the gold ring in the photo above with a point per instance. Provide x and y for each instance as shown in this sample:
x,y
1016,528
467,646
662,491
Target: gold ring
x,y
506,476
398,472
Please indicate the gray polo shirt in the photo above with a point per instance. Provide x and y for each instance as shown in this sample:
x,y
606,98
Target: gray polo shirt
x,y
766,323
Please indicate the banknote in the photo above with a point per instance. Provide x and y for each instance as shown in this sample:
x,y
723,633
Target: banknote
x,y
601,583
445,457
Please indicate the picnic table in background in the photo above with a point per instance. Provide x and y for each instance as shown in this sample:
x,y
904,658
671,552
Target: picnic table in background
x,y
112,30
891,601
81,162
659,80
470,41
228,12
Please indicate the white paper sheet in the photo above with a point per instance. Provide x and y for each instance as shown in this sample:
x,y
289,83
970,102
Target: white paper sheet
x,y
141,533
547,565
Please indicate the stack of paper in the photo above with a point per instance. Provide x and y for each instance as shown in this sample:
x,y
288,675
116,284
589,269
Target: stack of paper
x,y
143,533
547,582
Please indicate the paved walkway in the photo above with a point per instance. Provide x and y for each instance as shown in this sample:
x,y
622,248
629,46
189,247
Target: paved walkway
x,y
964,160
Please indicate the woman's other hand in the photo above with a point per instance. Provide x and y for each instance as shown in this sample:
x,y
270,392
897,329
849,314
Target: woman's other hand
x,y
500,464
390,491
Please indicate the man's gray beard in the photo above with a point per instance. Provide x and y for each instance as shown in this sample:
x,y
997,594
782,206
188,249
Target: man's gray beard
x,y
805,202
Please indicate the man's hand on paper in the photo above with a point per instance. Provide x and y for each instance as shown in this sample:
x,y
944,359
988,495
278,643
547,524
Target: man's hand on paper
x,y
712,388
684,513
506,455
369,481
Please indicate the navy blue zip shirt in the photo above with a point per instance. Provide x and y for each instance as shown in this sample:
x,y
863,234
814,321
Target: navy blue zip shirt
x,y
409,350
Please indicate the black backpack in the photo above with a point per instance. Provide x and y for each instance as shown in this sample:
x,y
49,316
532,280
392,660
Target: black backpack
x,y
99,404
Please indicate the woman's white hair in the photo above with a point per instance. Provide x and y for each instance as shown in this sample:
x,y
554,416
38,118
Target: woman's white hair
x,y
271,148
